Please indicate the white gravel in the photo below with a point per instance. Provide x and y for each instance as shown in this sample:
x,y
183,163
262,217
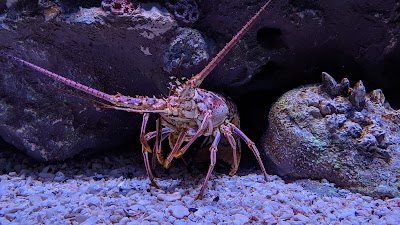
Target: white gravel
x,y
113,189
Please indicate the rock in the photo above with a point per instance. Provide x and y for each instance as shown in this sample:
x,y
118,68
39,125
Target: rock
x,y
185,11
354,143
188,49
240,219
116,52
329,84
169,197
178,211
118,7
357,96
59,176
95,201
96,48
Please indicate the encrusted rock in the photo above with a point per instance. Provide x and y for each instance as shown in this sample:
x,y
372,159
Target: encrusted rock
x,y
329,84
118,7
326,108
343,87
187,49
377,96
357,96
185,11
354,142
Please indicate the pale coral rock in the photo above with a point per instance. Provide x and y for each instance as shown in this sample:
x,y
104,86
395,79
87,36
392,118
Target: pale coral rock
x,y
354,143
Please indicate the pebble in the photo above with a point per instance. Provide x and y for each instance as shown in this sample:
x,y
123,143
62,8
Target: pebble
x,y
242,199
240,219
169,197
178,211
201,211
59,176
301,218
192,210
124,186
93,201
12,174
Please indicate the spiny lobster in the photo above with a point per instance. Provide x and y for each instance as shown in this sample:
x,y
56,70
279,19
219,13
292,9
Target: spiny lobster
x,y
187,113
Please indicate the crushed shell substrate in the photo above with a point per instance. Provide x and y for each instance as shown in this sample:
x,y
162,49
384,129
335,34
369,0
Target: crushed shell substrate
x,y
113,189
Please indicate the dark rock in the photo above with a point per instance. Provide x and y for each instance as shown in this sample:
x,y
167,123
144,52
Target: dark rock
x,y
193,210
185,11
94,47
344,87
300,39
187,50
119,7
356,149
293,42
329,84
357,96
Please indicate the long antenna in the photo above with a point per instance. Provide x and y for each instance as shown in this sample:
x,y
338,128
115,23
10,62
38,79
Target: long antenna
x,y
198,79
74,84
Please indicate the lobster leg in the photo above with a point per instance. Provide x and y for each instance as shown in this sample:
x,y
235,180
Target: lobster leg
x,y
157,146
205,124
146,149
178,143
232,142
143,139
151,135
213,159
176,154
251,145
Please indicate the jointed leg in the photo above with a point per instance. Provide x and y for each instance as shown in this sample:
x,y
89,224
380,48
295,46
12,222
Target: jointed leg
x,y
176,153
213,159
157,145
143,139
178,143
232,142
251,145
164,133
150,135
146,149
205,124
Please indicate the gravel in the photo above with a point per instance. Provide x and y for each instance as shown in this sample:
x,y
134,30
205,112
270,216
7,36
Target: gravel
x,y
114,189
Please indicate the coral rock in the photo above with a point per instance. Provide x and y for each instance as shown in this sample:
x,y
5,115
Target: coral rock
x,y
186,50
185,11
357,149
357,96
118,7
329,84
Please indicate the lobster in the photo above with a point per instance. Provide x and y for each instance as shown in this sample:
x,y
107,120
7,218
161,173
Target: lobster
x,y
186,114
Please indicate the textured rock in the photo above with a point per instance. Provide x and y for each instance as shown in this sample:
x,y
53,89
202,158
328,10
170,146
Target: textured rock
x,y
187,49
354,141
85,46
118,7
290,45
118,46
185,11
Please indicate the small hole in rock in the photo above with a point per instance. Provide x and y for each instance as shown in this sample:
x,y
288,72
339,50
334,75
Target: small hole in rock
x,y
270,38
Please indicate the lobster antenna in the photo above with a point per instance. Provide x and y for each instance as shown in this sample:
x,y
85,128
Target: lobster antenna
x,y
198,79
71,83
